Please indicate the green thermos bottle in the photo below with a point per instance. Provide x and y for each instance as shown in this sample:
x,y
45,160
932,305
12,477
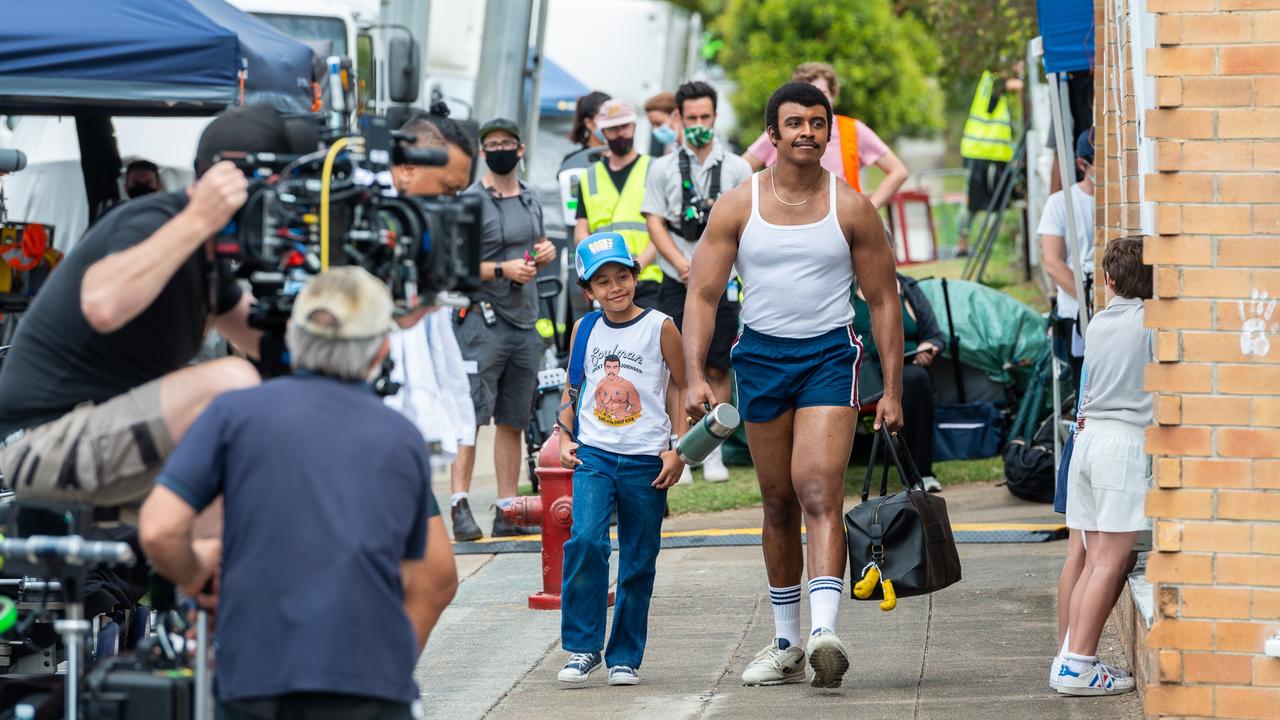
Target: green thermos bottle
x,y
708,433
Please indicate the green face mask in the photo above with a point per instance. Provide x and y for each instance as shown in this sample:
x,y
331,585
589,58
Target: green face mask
x,y
699,135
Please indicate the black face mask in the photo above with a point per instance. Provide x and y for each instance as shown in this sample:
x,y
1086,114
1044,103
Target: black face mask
x,y
621,145
137,190
501,161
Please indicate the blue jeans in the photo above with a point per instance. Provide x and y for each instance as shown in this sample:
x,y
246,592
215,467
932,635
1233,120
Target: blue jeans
x,y
602,482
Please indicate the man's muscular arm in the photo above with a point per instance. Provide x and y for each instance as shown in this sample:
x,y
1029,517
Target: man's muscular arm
x,y
874,262
708,274
117,288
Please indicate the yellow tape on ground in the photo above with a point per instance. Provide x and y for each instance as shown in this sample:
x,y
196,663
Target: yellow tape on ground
x,y
723,532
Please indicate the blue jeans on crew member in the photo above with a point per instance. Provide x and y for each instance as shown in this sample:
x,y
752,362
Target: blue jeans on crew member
x,y
602,482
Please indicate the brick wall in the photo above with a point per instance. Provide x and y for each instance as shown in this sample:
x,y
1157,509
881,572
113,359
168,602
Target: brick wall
x,y
1215,507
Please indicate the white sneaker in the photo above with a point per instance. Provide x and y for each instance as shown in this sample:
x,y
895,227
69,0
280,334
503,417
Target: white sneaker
x,y
579,667
1055,671
686,476
931,484
713,469
623,675
828,658
1097,680
775,666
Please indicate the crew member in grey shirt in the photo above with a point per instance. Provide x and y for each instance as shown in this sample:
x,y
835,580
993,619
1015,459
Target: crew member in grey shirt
x,y
681,188
500,347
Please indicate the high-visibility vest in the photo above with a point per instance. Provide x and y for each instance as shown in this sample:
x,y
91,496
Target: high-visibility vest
x,y
849,151
988,135
611,211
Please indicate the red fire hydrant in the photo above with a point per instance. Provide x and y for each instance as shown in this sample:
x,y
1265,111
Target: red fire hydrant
x,y
553,510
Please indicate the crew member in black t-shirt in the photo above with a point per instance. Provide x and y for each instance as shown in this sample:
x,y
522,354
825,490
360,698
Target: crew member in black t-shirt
x,y
94,394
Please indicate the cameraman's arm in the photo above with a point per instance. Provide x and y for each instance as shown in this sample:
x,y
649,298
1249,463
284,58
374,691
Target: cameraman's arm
x,y
117,288
234,326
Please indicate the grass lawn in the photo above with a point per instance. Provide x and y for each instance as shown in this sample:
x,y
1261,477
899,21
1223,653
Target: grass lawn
x,y
741,490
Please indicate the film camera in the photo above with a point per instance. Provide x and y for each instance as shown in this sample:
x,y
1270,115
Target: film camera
x,y
695,208
335,207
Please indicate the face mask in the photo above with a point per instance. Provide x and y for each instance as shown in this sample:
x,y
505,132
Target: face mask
x,y
699,135
664,135
621,145
501,162
138,190
599,135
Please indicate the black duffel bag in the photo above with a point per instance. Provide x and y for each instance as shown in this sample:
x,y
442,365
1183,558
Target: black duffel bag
x,y
906,537
1028,465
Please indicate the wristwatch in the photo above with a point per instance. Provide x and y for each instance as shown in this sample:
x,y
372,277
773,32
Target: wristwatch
x,y
497,270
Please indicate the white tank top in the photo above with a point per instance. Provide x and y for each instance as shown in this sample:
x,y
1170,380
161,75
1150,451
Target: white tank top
x,y
796,279
624,389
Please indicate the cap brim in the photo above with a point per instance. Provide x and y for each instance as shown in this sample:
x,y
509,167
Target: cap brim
x,y
616,122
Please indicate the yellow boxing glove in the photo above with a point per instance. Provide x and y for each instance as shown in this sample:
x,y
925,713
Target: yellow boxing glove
x,y
867,585
890,597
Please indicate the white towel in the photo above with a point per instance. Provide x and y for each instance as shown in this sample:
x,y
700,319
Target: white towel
x,y
435,393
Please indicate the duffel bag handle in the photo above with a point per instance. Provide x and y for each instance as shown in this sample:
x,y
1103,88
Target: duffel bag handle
x,y
909,474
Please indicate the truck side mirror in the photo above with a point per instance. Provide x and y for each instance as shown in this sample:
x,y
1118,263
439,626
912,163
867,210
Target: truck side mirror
x,y
404,77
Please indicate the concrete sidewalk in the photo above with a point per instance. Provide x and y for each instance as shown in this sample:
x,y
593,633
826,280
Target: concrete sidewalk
x,y
977,649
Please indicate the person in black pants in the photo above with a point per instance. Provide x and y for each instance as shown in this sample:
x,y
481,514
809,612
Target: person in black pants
x,y
922,342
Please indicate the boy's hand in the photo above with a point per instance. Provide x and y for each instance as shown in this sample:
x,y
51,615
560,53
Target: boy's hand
x,y
672,466
568,453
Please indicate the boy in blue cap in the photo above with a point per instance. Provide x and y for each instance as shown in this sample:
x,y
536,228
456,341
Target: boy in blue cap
x,y
616,429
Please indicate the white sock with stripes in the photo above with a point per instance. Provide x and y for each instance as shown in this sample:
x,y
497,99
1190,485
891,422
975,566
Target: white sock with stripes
x,y
786,614
824,601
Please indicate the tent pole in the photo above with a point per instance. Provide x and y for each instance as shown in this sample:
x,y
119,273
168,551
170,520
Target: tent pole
x,y
1059,104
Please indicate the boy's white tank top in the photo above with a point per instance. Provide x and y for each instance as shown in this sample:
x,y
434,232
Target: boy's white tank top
x,y
624,389
796,279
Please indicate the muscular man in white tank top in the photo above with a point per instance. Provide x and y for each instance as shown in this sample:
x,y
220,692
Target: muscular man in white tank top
x,y
797,235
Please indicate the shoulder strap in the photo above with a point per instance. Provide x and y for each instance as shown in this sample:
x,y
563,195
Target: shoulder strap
x,y
849,150
687,190
578,357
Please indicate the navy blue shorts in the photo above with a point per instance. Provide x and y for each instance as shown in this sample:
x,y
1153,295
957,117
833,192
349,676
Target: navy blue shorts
x,y
775,374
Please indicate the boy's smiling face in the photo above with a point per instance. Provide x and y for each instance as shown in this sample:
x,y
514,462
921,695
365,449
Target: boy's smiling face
x,y
614,287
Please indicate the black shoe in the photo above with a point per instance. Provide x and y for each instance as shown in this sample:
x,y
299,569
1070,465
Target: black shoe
x,y
502,528
464,525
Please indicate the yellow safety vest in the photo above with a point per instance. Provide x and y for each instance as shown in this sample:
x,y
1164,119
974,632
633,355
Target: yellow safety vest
x,y
988,135
611,211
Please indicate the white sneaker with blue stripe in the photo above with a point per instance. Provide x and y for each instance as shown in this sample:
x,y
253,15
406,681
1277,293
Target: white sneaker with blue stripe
x,y
623,675
1055,671
579,667
1098,679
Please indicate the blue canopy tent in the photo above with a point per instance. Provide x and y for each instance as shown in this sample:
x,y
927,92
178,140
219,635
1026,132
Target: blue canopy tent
x,y
1066,27
145,57
559,91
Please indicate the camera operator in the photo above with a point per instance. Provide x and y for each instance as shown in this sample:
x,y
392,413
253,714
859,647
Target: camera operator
x,y
94,394
435,129
329,611
681,188
497,333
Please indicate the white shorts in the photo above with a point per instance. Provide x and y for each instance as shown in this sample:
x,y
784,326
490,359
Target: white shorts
x,y
1108,479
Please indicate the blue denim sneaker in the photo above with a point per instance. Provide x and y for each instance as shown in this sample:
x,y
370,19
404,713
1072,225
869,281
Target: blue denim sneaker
x,y
623,675
579,667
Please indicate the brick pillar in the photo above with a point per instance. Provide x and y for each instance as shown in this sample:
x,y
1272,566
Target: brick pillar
x,y
1215,506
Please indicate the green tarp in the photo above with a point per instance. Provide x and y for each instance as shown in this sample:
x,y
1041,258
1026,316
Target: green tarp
x,y
998,334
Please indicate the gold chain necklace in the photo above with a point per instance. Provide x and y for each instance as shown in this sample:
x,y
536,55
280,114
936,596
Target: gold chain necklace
x,y
774,187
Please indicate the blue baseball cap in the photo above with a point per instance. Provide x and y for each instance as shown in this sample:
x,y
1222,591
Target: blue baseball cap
x,y
1084,147
596,250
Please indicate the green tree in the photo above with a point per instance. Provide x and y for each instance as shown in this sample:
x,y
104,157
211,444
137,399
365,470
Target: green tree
x,y
975,35
885,61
